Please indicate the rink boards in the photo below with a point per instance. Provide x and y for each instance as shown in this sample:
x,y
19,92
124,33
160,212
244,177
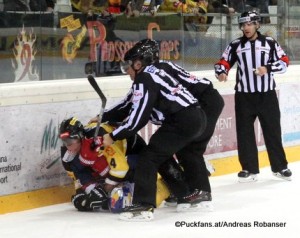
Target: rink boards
x,y
31,174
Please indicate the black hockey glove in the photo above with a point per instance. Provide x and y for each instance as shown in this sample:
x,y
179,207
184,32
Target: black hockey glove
x,y
79,201
220,69
97,199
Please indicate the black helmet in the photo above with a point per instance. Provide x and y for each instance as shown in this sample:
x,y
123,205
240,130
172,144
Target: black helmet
x,y
250,16
145,50
71,129
152,46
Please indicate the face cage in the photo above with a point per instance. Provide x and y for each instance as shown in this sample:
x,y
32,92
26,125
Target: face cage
x,y
69,141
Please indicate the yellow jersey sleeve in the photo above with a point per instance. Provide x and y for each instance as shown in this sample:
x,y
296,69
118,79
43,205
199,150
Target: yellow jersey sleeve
x,y
117,161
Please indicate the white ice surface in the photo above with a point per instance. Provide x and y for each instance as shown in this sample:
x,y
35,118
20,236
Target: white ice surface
x,y
270,199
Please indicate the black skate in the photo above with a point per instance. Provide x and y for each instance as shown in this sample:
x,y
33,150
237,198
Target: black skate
x,y
245,177
196,201
171,201
137,212
284,174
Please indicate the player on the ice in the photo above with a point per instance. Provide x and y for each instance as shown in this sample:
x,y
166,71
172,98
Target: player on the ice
x,y
103,175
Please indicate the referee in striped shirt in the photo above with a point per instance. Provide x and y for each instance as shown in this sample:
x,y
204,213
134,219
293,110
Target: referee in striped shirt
x,y
156,95
258,57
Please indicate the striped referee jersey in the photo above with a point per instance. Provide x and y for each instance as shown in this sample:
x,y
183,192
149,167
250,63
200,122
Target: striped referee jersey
x,y
196,85
249,55
155,96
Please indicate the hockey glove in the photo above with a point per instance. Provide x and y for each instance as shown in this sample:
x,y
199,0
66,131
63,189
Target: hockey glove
x,y
220,69
80,201
97,199
97,142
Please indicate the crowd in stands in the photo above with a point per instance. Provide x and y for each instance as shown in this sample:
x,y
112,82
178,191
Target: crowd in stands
x,y
29,5
198,9
179,6
143,6
133,8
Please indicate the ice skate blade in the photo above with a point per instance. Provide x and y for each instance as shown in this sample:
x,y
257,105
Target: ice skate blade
x,y
170,204
278,175
250,179
141,216
205,206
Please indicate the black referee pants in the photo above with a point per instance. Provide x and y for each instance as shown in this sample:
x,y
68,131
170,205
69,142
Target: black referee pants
x,y
265,107
177,133
212,104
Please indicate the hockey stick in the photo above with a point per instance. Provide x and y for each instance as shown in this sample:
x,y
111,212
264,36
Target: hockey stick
x,y
96,87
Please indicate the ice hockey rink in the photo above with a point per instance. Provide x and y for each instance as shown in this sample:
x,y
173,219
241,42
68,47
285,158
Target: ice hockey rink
x,y
240,210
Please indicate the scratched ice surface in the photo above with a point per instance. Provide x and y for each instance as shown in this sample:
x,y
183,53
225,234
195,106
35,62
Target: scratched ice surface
x,y
254,206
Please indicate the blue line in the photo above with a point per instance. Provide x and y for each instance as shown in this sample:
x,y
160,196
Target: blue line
x,y
291,136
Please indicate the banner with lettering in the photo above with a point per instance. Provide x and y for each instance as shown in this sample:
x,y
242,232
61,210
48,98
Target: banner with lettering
x,y
69,45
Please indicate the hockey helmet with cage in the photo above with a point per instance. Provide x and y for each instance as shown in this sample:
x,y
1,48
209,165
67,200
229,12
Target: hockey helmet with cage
x,y
147,51
247,17
70,129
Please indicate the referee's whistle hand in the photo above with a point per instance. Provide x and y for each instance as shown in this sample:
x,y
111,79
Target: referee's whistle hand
x,y
260,71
